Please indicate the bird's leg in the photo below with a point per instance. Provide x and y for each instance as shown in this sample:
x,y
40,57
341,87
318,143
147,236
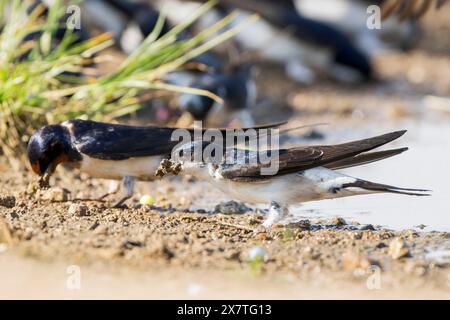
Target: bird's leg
x,y
276,214
128,184
113,188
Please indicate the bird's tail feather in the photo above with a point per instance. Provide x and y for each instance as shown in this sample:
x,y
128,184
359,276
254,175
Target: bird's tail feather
x,y
377,187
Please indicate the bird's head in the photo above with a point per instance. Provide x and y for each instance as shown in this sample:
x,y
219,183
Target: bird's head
x,y
48,147
197,154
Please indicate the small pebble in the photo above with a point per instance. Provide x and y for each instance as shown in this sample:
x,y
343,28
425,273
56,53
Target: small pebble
x,y
352,261
381,245
79,210
398,249
231,207
28,234
302,224
356,235
55,194
367,227
7,201
129,244
101,230
338,221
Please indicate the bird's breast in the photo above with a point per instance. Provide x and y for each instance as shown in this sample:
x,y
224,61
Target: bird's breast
x,y
142,168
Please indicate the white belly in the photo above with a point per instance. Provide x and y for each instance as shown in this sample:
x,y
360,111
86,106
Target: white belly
x,y
311,185
141,168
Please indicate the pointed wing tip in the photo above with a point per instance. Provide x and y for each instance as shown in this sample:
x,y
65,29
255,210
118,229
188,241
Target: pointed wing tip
x,y
393,135
400,133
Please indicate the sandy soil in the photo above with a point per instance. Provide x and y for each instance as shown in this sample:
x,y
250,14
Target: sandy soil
x,y
174,250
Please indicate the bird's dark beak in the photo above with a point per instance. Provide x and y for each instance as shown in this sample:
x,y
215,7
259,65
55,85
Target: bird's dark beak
x,y
36,168
51,169
39,170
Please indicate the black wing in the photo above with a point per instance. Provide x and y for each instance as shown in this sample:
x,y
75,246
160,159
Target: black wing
x,y
299,159
118,142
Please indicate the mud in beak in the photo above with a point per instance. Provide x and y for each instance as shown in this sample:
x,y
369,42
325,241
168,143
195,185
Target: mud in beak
x,y
44,179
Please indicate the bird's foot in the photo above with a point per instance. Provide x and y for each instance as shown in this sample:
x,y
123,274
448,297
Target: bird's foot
x,y
120,203
128,184
113,188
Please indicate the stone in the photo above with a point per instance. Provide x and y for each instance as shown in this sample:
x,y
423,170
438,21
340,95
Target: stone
x,y
231,207
398,249
353,261
79,210
8,201
338,221
55,194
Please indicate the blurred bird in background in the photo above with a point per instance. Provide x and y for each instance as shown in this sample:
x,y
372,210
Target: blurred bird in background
x,y
306,47
350,17
311,39
41,7
236,88
130,21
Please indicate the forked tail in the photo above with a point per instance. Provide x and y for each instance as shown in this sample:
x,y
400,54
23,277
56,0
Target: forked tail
x,y
377,187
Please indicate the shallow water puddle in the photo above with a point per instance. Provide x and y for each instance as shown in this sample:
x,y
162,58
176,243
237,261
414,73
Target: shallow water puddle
x,y
426,165
439,255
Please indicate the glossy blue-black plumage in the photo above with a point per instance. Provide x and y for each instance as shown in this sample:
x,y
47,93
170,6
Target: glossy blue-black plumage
x,y
109,141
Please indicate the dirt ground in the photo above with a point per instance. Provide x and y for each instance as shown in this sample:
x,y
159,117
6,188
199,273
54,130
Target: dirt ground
x,y
170,250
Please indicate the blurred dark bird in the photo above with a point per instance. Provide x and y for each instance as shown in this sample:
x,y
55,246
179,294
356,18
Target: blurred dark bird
x,y
351,17
305,46
207,62
301,43
129,21
80,34
237,90
104,150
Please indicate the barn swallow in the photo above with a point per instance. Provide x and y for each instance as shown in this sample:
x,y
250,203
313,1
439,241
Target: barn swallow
x,y
104,150
304,173
237,89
